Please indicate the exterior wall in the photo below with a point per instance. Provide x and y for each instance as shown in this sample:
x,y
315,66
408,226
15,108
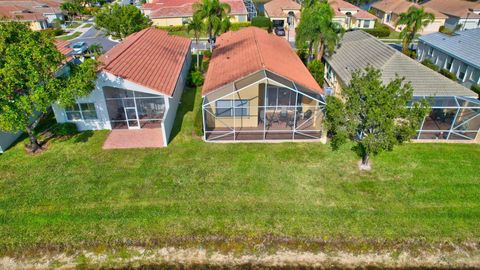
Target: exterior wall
x,y
452,23
439,58
172,103
38,25
51,17
6,139
176,21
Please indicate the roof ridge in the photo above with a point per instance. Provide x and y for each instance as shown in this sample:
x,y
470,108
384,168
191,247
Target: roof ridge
x,y
262,61
137,37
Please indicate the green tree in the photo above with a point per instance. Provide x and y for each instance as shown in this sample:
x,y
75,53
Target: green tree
x,y
121,21
30,80
216,16
95,49
317,69
317,29
413,21
373,114
195,25
72,8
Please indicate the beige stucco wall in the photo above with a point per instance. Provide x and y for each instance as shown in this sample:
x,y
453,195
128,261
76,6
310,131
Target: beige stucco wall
x,y
176,21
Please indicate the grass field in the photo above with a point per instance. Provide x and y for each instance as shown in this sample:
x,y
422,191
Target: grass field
x,y
69,37
77,194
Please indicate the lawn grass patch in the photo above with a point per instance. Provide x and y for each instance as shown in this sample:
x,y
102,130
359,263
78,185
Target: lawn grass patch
x,y
69,37
76,194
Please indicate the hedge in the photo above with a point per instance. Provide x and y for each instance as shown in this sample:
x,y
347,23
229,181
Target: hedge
x,y
380,30
448,74
262,22
430,64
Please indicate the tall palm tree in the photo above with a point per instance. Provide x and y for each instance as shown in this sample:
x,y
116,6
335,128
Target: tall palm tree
x,y
414,21
330,35
216,16
195,25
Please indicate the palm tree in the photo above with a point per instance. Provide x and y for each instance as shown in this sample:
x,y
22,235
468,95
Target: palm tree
x,y
414,20
216,17
95,49
195,25
330,35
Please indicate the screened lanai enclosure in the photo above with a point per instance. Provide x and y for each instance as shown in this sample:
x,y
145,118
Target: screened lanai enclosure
x,y
262,106
451,118
133,109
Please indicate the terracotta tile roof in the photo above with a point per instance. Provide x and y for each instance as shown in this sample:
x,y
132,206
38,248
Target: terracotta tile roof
x,y
63,46
243,52
18,13
458,8
184,8
275,8
339,5
34,6
151,58
399,6
362,14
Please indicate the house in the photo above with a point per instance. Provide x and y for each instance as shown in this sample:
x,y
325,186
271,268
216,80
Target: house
x,y
351,16
455,114
178,12
462,14
257,89
39,13
280,10
139,85
458,53
7,139
388,11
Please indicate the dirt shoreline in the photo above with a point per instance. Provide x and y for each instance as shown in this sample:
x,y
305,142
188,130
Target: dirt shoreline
x,y
197,258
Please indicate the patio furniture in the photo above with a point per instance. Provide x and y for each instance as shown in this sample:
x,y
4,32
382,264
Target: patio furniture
x,y
308,114
283,114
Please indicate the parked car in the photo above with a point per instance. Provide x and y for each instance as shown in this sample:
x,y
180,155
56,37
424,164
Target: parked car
x,y
280,31
80,47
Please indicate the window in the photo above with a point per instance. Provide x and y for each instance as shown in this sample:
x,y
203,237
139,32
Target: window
x,y
461,72
366,24
430,51
224,108
475,75
81,111
448,64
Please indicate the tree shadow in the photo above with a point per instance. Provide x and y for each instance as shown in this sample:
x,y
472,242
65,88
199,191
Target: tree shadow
x,y
186,105
83,136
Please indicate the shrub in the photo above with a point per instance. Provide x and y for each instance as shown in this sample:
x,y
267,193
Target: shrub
x,y
64,129
196,78
239,25
476,88
262,22
173,28
448,74
428,63
380,30
317,69
445,30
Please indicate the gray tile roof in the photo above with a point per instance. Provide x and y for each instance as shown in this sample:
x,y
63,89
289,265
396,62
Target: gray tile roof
x,y
464,45
358,49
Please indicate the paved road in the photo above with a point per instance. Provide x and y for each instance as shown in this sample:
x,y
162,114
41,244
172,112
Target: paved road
x,y
94,36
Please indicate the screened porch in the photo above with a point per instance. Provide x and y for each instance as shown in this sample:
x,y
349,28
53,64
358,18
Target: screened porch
x,y
263,106
451,118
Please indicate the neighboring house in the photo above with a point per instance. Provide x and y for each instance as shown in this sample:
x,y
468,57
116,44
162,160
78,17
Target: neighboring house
x,y
351,16
139,85
258,89
178,12
455,114
7,139
458,53
280,10
388,11
461,14
39,13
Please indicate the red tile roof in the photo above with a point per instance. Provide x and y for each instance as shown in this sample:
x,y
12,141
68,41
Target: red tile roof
x,y
362,14
339,5
63,46
14,12
275,8
458,8
150,58
399,6
243,52
184,8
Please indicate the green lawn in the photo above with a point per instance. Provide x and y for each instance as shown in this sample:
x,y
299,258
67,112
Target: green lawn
x,y
69,37
77,194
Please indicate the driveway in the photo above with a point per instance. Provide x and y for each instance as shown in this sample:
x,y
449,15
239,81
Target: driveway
x,y
94,36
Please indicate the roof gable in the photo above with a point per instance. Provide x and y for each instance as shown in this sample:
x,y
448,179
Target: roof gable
x,y
151,58
241,53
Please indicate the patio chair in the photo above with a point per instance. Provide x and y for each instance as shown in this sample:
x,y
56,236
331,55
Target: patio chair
x,y
283,114
308,114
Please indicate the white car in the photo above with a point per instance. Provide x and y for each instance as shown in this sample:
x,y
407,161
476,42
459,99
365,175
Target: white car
x,y
80,47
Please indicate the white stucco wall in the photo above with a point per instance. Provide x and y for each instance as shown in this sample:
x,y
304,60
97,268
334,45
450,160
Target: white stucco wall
x,y
172,102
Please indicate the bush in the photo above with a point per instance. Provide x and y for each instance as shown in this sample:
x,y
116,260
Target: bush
x,y
173,28
428,63
262,22
64,129
380,30
239,25
445,30
317,69
196,78
448,74
476,88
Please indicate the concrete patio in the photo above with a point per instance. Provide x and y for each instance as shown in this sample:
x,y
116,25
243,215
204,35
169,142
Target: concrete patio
x,y
136,138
